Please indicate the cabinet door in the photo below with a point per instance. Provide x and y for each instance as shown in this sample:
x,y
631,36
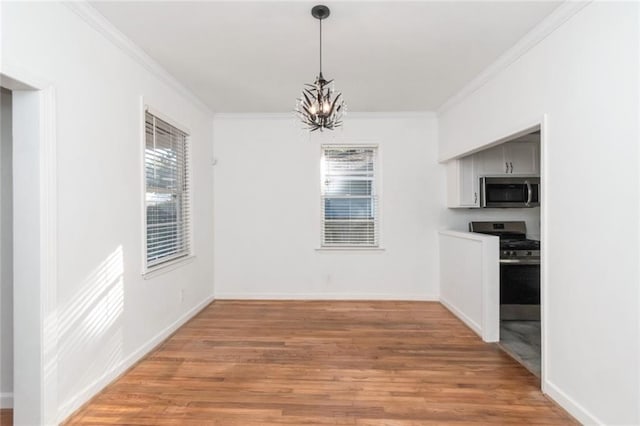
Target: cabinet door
x,y
524,157
494,161
469,196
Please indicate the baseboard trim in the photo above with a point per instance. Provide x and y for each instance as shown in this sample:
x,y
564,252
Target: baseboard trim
x,y
569,404
464,318
327,296
76,402
6,400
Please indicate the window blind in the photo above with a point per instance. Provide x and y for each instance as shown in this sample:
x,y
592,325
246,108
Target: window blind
x,y
168,216
349,200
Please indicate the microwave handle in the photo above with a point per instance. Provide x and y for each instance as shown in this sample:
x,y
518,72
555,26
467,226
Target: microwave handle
x,y
529,193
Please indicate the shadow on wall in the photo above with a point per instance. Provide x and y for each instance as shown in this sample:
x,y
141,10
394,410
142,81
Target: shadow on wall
x,y
90,325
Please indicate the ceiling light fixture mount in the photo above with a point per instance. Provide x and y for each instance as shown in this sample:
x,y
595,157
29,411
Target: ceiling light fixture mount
x,y
320,12
318,108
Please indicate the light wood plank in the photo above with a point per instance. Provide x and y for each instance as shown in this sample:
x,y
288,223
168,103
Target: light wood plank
x,y
323,363
6,417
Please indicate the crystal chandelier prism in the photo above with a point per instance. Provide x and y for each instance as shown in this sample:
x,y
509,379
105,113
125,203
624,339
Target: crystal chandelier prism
x,y
319,107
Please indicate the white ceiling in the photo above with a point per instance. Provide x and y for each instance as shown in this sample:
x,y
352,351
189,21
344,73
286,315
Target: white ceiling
x,y
240,56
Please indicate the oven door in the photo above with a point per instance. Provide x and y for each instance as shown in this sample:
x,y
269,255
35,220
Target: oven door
x,y
519,291
509,192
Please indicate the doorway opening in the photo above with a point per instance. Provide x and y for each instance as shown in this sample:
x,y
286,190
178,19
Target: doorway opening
x,y
520,277
28,245
508,176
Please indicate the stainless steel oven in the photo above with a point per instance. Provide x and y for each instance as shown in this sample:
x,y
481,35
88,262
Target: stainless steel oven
x,y
519,269
509,191
520,290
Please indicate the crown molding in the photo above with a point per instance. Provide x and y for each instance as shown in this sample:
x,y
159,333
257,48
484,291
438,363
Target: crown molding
x,y
98,22
547,26
350,114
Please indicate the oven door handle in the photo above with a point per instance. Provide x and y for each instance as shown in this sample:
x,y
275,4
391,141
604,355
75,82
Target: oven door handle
x,y
529,193
519,261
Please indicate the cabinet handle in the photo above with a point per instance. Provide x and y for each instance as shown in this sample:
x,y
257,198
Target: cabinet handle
x,y
475,198
511,164
506,167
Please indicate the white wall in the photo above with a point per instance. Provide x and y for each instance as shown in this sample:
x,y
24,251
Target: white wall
x,y
6,252
470,280
585,77
108,314
267,210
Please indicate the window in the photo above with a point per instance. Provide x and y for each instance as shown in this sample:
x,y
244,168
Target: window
x,y
349,199
167,192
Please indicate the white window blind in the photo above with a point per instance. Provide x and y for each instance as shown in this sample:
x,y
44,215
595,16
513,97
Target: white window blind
x,y
349,200
167,192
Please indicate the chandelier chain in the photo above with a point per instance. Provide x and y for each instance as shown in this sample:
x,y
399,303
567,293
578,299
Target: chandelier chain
x,y
320,46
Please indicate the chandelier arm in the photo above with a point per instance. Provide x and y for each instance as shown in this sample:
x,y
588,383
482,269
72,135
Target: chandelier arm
x,y
333,104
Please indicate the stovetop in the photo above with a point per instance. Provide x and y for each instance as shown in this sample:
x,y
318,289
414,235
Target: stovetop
x,y
514,245
519,244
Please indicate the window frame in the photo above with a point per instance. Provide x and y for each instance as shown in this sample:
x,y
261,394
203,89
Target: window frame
x,y
150,271
377,197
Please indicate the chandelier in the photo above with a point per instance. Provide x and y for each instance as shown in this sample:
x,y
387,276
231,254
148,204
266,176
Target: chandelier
x,y
317,107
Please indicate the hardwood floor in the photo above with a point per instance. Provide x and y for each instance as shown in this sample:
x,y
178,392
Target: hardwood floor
x,y
328,363
6,417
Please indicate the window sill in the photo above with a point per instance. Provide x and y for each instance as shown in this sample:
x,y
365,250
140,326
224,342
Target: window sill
x,y
349,248
163,268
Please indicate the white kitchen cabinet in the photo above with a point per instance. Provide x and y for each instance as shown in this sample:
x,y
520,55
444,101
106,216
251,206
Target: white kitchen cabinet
x,y
463,182
517,158
522,158
511,158
493,161
469,182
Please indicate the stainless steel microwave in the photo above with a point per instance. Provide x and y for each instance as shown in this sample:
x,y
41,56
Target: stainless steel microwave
x,y
509,191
